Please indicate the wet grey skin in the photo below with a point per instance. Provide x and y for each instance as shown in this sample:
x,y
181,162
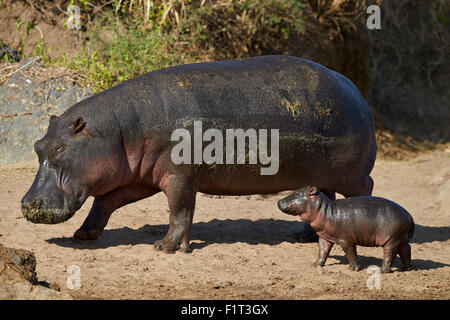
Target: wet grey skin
x,y
116,146
365,221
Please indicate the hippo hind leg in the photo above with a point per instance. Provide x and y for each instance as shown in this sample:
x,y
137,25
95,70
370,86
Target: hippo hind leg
x,y
390,253
404,251
181,197
306,235
361,189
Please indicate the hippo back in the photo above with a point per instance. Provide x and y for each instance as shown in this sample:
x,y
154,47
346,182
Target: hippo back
x,y
326,128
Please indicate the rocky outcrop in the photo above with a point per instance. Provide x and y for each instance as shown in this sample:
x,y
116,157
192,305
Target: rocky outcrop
x,y
27,100
18,278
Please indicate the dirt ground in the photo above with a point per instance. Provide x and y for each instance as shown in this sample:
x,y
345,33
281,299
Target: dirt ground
x,y
243,246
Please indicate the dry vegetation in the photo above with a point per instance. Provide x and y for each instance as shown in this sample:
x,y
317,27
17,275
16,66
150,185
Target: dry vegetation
x,y
410,69
38,72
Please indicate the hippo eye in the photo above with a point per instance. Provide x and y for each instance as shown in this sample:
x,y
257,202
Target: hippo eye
x,y
297,194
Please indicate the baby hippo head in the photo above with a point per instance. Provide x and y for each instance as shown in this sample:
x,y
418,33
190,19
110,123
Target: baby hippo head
x,y
299,201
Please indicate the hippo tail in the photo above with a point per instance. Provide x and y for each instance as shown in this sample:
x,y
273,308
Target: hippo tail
x,y
411,232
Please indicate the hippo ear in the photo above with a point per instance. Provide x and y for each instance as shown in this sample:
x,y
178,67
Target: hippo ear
x,y
313,191
78,125
53,117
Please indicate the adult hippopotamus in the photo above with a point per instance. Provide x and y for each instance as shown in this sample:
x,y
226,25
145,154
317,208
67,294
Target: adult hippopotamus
x,y
116,145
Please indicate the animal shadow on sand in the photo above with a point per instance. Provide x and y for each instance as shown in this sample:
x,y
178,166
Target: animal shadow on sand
x,y
416,264
424,234
263,231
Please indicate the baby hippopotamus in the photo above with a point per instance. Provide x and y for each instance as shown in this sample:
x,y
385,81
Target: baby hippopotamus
x,y
364,221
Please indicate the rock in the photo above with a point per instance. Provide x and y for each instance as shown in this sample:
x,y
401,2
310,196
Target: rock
x,y
18,278
26,104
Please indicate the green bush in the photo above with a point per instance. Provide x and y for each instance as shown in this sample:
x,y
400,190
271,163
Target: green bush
x,y
148,35
134,49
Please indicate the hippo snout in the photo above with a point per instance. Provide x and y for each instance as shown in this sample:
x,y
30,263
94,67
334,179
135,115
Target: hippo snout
x,y
46,201
283,205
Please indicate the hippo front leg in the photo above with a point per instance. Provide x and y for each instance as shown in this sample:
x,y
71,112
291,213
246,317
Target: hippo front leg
x,y
105,205
181,195
324,250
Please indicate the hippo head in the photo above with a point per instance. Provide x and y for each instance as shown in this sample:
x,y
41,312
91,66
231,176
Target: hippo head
x,y
299,201
74,162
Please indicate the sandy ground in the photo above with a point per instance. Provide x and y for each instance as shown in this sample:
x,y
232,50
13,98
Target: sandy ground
x,y
243,246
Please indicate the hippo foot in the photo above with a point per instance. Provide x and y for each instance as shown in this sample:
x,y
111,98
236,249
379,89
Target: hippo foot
x,y
306,235
385,268
165,246
319,263
406,268
354,267
82,234
185,248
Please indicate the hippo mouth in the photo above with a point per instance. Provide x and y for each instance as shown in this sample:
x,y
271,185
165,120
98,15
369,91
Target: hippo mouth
x,y
47,215
47,201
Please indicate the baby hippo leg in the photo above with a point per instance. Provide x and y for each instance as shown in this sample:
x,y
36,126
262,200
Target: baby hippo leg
x,y
404,251
324,249
350,252
390,252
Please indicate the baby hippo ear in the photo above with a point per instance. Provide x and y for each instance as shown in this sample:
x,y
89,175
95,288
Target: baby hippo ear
x,y
313,191
78,125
